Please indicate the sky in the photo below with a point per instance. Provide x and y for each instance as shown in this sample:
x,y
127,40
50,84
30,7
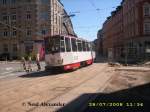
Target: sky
x,y
89,15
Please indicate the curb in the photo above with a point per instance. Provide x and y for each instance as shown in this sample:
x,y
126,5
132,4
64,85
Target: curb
x,y
133,69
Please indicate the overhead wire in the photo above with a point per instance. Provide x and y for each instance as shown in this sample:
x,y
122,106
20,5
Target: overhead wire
x,y
90,10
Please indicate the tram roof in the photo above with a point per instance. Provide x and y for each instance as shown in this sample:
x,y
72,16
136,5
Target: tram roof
x,y
69,36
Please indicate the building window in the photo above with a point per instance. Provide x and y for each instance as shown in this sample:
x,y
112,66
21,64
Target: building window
x,y
5,17
28,1
44,1
28,8
4,2
13,1
29,32
5,33
14,33
147,28
28,16
13,17
44,16
14,47
44,31
5,48
146,9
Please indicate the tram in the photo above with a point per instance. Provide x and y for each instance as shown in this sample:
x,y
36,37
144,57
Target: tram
x,y
67,52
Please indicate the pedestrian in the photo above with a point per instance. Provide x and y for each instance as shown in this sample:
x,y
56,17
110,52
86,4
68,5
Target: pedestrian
x,y
38,62
24,63
29,64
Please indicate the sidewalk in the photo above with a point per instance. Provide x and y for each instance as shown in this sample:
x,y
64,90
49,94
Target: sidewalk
x,y
8,68
129,68
6,62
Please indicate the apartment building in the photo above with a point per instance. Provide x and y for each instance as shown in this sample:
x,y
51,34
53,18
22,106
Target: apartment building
x,y
113,33
24,24
126,32
136,25
99,43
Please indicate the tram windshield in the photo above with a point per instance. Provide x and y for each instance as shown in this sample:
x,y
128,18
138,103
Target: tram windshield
x,y
52,45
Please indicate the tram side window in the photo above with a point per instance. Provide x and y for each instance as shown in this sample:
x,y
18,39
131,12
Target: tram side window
x,y
84,45
62,44
90,46
68,46
93,47
79,45
87,46
74,44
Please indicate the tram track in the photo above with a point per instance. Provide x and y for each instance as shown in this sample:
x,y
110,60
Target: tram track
x,y
76,75
61,94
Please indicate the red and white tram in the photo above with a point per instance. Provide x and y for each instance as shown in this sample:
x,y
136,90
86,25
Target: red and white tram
x,y
67,52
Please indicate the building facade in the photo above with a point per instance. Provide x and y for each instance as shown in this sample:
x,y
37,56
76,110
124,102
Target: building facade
x,y
113,33
127,31
25,23
99,43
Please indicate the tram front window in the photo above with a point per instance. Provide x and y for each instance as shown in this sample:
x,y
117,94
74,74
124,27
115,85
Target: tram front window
x,y
52,45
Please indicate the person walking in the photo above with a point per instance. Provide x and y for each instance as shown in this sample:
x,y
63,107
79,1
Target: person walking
x,y
38,62
24,63
29,64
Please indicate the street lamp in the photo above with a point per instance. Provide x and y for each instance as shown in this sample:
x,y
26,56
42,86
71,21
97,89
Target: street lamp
x,y
68,16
